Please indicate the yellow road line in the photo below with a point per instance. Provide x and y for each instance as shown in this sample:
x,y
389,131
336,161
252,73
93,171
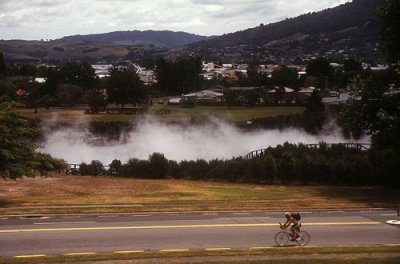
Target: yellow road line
x,y
176,227
174,250
80,254
341,223
217,249
30,256
258,248
129,252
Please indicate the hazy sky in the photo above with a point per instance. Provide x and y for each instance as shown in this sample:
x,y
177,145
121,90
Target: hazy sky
x,y
50,19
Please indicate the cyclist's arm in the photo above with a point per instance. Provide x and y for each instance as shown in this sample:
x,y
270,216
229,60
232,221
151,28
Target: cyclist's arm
x,y
285,225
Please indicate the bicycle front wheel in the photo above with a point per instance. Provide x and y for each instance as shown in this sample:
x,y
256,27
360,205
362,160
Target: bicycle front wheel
x,y
281,238
303,239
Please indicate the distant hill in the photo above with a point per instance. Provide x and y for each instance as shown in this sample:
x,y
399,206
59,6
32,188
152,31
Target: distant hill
x,y
168,39
351,27
108,47
349,30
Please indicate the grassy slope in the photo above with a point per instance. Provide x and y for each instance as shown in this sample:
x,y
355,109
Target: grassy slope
x,y
177,195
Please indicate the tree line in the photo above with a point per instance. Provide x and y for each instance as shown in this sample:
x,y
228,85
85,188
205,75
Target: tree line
x,y
285,164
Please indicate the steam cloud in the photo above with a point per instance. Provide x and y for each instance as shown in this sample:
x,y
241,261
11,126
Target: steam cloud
x,y
214,140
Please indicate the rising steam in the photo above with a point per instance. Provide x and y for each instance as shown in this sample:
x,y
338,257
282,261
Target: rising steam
x,y
214,139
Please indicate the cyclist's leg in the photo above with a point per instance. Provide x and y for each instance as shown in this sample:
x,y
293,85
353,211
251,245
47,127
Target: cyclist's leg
x,y
296,229
292,232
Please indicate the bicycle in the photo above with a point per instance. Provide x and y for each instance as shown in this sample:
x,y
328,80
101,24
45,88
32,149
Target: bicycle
x,y
283,237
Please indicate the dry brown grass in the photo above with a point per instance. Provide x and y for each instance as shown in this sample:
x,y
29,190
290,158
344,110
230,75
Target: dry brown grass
x,y
177,195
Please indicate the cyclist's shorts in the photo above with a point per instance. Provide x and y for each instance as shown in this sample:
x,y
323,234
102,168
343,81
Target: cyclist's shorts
x,y
297,225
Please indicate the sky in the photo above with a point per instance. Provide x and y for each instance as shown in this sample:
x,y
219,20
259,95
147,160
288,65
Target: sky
x,y
52,19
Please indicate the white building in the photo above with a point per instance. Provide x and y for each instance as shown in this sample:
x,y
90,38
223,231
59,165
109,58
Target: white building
x,y
102,70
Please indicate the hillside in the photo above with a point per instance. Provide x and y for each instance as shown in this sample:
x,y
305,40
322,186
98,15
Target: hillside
x,y
156,38
112,46
351,28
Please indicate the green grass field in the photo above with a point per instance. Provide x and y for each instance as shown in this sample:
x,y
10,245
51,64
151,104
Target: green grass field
x,y
235,114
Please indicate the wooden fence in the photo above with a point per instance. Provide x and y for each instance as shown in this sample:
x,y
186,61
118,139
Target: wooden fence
x,y
358,146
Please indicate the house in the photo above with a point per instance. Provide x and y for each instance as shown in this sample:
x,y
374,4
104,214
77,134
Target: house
x,y
147,77
40,80
21,93
280,95
102,70
336,97
205,97
208,75
174,101
304,94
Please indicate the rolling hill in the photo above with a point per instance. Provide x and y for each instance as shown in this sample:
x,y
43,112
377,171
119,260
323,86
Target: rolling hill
x,y
169,39
121,45
350,28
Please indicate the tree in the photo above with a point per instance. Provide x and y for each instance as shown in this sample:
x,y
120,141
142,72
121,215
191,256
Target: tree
x,y
116,167
352,66
373,109
377,113
18,155
96,100
7,88
231,97
279,94
80,74
27,70
33,98
3,66
311,81
389,13
158,165
125,87
314,103
69,94
252,96
321,69
178,77
284,76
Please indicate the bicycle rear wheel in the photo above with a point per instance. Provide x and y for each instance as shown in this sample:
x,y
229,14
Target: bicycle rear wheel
x,y
303,239
281,238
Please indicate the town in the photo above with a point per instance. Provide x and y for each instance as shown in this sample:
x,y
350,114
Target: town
x,y
208,84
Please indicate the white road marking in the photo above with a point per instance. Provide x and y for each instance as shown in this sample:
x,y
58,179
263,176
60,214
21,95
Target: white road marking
x,y
388,214
54,223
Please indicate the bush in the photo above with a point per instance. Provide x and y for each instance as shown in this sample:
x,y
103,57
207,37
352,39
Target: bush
x,y
158,166
136,168
115,167
287,163
94,168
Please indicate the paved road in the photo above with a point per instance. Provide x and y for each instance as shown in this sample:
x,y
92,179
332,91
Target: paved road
x,y
55,235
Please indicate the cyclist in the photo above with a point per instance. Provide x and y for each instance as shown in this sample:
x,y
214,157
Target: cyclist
x,y
294,220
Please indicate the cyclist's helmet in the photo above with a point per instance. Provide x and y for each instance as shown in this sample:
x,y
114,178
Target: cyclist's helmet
x,y
287,214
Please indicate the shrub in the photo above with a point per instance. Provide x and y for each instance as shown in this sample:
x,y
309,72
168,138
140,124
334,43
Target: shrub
x,y
158,166
136,168
116,167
